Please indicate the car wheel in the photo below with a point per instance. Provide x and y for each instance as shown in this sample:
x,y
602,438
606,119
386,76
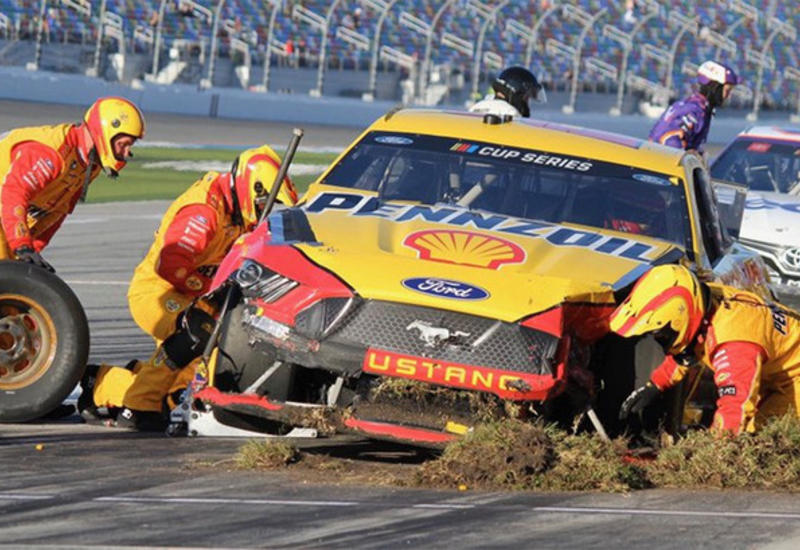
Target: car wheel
x,y
239,364
44,341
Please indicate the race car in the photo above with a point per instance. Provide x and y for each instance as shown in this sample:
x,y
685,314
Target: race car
x,y
450,267
766,160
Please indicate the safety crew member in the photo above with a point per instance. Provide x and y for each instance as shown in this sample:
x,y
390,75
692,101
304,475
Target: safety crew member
x,y
513,90
195,234
46,169
751,345
685,124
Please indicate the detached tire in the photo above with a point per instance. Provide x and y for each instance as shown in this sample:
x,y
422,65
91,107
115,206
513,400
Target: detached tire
x,y
44,341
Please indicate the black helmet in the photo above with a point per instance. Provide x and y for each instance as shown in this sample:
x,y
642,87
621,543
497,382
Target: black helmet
x,y
518,86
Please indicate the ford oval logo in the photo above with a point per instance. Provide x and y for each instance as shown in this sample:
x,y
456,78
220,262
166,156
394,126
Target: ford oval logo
x,y
444,288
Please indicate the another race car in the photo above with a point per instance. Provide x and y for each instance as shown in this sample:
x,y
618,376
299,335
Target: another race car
x,y
450,267
766,160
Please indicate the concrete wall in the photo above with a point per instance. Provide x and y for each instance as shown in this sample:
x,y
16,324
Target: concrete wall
x,y
71,89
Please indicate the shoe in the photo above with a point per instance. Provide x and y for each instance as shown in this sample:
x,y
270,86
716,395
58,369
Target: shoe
x,y
86,407
143,421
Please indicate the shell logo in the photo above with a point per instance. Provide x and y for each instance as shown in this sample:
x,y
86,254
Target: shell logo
x,y
464,248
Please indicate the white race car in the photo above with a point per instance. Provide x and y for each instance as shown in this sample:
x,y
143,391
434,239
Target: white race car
x,y
766,159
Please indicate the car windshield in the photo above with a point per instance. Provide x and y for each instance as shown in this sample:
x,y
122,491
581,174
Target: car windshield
x,y
515,182
760,165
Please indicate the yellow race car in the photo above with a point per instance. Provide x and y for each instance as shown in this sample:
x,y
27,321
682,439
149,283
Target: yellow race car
x,y
450,267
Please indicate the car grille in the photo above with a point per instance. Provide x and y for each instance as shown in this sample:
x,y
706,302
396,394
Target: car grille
x,y
483,342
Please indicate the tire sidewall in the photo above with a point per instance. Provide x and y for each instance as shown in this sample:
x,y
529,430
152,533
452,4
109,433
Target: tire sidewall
x,y
72,341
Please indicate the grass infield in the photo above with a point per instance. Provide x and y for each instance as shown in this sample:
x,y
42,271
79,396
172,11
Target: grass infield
x,y
137,182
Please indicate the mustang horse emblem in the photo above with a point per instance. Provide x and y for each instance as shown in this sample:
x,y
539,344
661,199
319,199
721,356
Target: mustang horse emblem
x,y
433,336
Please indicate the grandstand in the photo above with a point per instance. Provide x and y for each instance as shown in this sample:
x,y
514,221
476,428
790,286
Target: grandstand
x,y
649,47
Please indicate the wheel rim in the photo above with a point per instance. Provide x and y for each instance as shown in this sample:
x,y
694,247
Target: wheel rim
x,y
27,341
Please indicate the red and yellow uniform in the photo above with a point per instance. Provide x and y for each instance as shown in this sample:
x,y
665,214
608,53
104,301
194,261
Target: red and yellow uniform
x,y
44,170
195,235
753,348
193,238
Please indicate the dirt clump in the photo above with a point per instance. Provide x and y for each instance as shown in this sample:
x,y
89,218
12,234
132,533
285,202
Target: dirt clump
x,y
512,454
265,455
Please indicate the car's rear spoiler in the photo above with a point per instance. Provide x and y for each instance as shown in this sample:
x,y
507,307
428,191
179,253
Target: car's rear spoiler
x,y
730,203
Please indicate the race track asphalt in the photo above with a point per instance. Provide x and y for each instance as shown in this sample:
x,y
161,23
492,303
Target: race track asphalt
x,y
69,485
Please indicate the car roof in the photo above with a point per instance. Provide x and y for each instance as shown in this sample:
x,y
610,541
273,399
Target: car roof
x,y
781,133
538,135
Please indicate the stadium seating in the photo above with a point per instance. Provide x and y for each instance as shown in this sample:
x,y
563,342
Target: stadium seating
x,y
461,20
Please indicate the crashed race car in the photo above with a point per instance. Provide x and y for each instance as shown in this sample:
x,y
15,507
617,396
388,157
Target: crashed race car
x,y
449,268
766,160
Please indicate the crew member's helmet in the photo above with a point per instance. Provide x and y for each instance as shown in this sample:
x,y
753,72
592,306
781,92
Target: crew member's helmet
x,y
712,78
253,173
107,118
668,302
711,71
518,86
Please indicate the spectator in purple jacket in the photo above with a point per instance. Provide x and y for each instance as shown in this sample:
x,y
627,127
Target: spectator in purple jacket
x,y
685,123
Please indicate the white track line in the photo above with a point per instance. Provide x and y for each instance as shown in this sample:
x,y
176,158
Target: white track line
x,y
96,283
443,506
190,500
656,512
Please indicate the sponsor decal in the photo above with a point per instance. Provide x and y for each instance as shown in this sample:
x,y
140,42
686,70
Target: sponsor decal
x,y
364,205
778,319
765,204
523,156
193,283
759,147
445,288
394,140
181,272
726,390
464,248
504,384
172,305
648,178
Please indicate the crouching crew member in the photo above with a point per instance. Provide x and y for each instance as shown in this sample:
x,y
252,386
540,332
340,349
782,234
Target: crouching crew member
x,y
751,345
195,234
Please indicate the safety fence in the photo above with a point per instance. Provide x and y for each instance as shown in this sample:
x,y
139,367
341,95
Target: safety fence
x,y
438,48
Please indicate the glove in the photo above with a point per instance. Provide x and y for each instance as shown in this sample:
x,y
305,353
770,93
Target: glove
x,y
28,254
638,400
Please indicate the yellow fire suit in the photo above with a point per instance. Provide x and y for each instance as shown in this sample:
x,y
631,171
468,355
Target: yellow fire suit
x,y
193,238
753,348
43,170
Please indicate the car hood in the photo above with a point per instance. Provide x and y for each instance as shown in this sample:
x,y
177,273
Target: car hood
x,y
771,218
466,261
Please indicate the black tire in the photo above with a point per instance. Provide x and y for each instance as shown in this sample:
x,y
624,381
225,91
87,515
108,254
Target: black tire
x,y
624,364
44,341
239,364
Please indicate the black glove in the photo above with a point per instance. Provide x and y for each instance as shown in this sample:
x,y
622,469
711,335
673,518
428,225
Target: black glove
x,y
28,254
638,400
